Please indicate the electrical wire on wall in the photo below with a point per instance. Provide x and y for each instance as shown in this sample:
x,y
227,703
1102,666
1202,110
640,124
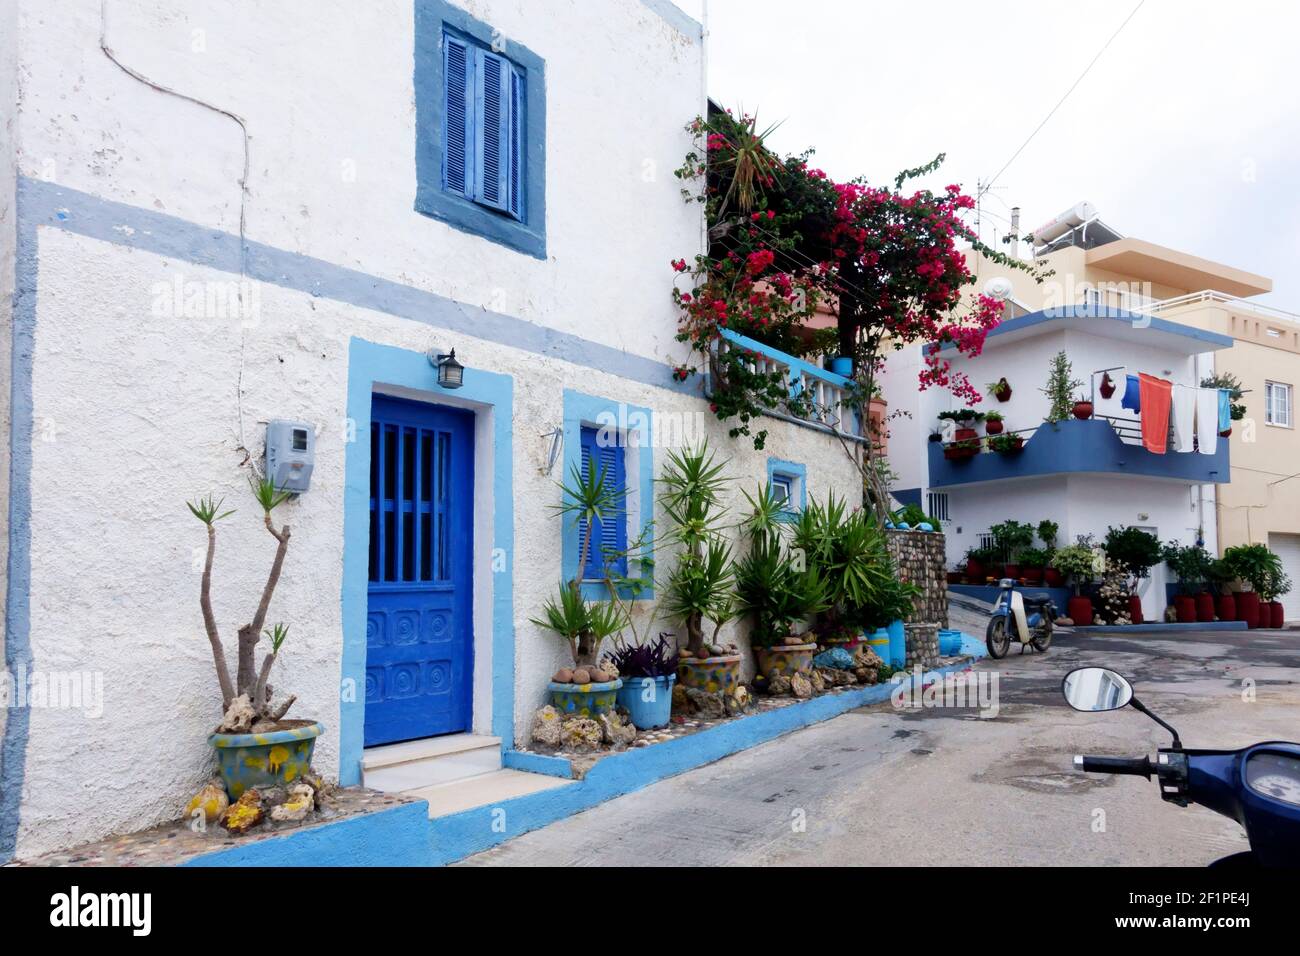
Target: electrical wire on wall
x,y
243,208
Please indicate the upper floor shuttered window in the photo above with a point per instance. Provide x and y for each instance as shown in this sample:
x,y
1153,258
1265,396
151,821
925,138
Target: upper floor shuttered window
x,y
483,123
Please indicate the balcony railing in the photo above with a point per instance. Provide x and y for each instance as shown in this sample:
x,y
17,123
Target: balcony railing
x,y
819,398
1092,446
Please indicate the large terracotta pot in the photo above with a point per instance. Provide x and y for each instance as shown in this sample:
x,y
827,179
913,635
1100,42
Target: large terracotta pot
x,y
1053,578
785,659
975,571
1205,607
1135,609
273,759
1083,410
1227,607
1248,608
1080,610
1033,576
1185,605
710,673
1276,614
1011,571
954,577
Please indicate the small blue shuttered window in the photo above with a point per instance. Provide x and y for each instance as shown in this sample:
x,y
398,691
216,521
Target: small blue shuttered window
x,y
609,535
483,119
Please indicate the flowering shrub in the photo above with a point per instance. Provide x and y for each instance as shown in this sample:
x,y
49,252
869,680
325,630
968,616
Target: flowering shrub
x,y
783,237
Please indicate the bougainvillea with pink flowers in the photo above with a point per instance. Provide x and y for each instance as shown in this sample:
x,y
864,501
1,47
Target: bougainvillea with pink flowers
x,y
784,236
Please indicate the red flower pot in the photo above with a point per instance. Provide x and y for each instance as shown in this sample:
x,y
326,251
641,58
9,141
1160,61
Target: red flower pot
x,y
1185,606
1011,571
1276,614
1003,391
1080,610
1083,410
993,428
1205,607
1248,608
1053,578
1033,575
1227,607
1135,609
954,577
975,572
1226,433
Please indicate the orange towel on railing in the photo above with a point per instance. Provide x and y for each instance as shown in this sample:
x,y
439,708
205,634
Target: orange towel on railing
x,y
1157,395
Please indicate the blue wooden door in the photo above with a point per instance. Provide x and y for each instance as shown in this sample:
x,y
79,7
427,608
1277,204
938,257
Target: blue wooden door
x,y
419,639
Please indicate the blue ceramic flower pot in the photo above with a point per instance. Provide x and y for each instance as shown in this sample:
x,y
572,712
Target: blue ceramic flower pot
x,y
584,700
897,645
842,365
647,700
249,761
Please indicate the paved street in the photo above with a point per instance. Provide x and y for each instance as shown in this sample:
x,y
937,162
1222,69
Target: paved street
x,y
880,786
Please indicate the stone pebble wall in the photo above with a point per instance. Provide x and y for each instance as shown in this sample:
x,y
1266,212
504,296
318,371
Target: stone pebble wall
x,y
920,559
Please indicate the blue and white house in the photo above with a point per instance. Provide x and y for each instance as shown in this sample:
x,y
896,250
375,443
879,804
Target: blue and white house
x,y
212,220
1086,475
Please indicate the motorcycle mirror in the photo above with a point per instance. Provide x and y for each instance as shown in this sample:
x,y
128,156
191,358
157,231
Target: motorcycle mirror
x,y
1096,689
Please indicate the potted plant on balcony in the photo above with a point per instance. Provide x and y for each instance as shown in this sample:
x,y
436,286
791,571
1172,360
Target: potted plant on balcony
x,y
968,417
1078,563
1231,384
256,746
993,423
700,585
1060,388
1082,408
1006,444
1191,564
1000,390
585,689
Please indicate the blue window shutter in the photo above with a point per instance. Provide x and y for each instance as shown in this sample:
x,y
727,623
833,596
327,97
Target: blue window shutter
x,y
516,129
492,133
458,73
608,534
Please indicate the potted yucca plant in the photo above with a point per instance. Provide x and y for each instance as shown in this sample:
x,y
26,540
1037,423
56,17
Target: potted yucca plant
x,y
256,746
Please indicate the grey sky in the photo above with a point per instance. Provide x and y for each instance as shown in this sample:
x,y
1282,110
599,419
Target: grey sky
x,y
1185,133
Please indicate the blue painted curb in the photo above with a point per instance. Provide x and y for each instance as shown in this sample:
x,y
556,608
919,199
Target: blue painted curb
x,y
1160,628
405,837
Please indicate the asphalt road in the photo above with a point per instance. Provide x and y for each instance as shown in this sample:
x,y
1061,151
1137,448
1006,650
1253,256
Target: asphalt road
x,y
883,786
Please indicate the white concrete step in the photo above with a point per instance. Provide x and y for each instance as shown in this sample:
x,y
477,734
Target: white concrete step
x,y
484,790
412,764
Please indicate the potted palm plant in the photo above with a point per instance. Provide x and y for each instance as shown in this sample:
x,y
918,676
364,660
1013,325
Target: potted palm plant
x,y
256,746
586,689
700,586
776,590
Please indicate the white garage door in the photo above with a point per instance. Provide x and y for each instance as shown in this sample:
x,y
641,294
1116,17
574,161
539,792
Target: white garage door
x,y
1287,547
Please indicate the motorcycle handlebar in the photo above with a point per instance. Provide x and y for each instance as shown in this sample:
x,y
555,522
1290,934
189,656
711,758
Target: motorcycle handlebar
x,y
1137,766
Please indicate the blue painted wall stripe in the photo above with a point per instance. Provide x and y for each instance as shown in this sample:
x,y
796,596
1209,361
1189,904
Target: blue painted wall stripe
x,y
676,18
47,204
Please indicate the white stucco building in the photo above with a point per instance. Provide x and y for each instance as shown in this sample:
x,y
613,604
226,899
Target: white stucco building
x,y
211,220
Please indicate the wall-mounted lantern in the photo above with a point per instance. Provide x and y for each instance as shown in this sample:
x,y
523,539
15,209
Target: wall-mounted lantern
x,y
451,374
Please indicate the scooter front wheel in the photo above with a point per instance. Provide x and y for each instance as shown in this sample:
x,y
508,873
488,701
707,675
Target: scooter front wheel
x,y
998,638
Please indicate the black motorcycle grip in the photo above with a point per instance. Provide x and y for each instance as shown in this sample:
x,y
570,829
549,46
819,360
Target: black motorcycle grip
x,y
1137,766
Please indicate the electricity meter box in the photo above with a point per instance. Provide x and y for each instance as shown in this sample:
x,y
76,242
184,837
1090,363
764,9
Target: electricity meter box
x,y
290,454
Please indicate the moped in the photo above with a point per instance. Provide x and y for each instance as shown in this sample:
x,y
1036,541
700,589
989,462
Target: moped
x,y
1258,786
1025,618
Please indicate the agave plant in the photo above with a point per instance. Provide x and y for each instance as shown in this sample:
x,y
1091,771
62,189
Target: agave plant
x,y
775,591
700,584
849,551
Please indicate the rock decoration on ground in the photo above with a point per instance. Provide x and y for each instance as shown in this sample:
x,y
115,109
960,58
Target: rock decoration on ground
x,y
283,806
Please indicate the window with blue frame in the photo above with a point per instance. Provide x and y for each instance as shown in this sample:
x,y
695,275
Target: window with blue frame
x,y
788,481
608,535
480,129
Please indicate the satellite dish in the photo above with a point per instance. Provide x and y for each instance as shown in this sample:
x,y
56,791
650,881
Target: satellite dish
x,y
999,287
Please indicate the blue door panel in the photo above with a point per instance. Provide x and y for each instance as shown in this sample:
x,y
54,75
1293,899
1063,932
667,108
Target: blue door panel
x,y
419,634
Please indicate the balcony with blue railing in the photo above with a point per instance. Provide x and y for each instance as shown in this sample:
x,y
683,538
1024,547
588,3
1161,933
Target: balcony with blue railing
x,y
1102,446
820,399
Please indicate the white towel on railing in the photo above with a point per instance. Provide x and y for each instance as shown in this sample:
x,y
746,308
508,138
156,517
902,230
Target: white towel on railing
x,y
1207,420
1184,417
1109,407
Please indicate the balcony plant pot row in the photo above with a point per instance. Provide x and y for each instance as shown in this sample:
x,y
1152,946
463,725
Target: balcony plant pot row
x,y
1007,444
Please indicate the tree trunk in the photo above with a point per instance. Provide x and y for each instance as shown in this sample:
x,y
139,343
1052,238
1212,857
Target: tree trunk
x,y
695,634
585,655
210,625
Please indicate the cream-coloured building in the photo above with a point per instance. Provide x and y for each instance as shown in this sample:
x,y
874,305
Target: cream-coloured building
x,y
1094,265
